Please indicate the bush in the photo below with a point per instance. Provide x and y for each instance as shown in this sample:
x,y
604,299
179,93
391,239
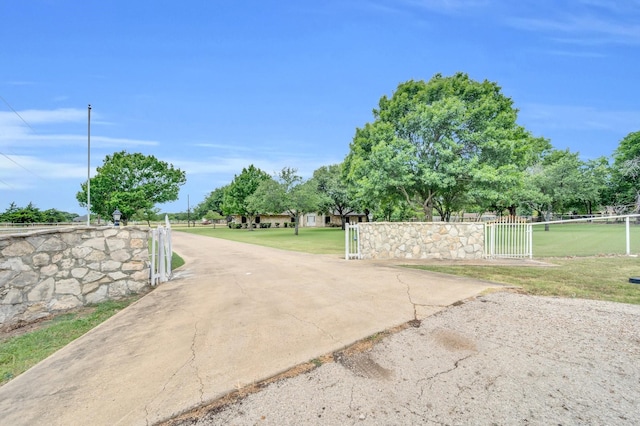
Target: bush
x,y
277,224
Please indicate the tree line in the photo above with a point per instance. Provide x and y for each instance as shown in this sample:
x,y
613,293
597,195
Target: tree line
x,y
442,147
32,214
451,145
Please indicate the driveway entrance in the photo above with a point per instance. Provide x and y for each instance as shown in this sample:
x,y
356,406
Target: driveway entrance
x,y
234,314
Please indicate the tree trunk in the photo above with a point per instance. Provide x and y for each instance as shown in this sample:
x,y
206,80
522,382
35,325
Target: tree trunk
x,y
366,214
512,211
428,210
547,218
296,225
343,219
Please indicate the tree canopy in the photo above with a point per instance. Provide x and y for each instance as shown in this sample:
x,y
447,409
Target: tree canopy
x,y
626,171
329,181
32,214
133,183
212,202
287,193
236,195
434,143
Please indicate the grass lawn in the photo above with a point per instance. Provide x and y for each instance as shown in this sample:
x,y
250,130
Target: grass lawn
x,y
582,239
308,240
19,353
599,278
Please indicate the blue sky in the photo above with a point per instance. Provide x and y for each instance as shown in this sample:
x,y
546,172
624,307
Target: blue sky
x,y
214,86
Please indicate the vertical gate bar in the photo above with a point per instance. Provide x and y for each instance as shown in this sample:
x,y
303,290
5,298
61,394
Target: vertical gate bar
x,y
346,241
154,259
357,242
530,234
628,237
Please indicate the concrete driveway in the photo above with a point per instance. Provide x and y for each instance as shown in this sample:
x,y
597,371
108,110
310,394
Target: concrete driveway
x,y
235,314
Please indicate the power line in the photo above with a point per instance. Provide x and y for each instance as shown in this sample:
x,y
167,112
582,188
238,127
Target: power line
x,y
16,113
9,158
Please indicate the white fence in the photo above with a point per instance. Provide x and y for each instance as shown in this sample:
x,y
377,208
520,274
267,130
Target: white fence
x,y
618,218
352,241
508,239
161,252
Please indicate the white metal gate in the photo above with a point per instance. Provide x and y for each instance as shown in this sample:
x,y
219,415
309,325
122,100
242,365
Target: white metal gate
x,y
512,238
351,241
161,252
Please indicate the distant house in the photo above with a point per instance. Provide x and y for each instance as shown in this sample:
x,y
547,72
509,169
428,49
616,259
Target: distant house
x,y
308,220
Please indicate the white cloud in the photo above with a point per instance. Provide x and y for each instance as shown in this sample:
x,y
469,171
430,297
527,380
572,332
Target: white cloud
x,y
590,22
16,132
439,6
33,168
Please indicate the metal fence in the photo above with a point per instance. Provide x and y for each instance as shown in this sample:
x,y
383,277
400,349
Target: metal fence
x,y
161,253
352,241
508,238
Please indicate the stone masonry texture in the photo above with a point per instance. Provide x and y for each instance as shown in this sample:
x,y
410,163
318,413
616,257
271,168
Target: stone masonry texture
x,y
46,271
421,240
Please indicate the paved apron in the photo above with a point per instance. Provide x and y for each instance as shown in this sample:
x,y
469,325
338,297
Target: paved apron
x,y
234,314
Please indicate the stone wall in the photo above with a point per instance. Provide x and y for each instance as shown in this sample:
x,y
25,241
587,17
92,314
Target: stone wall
x,y
421,240
54,270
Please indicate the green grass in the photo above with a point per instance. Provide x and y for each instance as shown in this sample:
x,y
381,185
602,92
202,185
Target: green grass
x,y
19,353
176,261
598,278
308,240
582,239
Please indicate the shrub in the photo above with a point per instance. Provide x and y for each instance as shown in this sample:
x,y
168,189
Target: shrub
x,y
277,224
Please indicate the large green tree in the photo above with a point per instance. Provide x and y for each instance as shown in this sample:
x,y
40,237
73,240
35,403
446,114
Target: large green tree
x,y
626,172
288,193
237,193
555,183
131,183
329,181
434,142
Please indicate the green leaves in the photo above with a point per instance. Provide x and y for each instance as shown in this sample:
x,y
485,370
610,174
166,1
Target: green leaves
x,y
436,144
131,182
238,193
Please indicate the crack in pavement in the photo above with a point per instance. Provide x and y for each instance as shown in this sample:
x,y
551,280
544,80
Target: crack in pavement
x,y
315,325
440,373
415,311
193,363
189,362
414,304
